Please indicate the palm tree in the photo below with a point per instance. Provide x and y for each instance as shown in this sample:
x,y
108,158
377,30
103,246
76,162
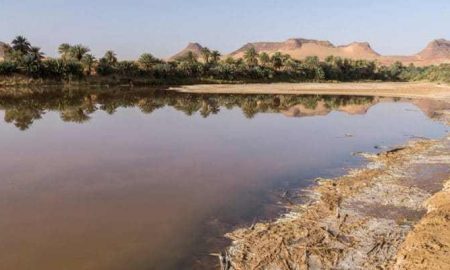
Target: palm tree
x,y
36,54
88,62
78,51
312,61
277,60
21,44
110,57
264,59
251,57
189,57
291,65
229,60
147,61
215,56
206,54
64,50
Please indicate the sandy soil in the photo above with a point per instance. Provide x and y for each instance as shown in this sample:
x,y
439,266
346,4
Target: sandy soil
x,y
387,89
428,245
393,214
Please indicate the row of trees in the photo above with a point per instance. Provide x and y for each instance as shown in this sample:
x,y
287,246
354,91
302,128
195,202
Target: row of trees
x,y
75,61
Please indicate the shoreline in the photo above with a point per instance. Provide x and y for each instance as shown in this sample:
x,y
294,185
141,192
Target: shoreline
x,y
363,220
391,214
429,90
385,89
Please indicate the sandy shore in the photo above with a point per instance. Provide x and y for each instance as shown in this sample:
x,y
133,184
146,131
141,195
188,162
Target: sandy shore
x,y
387,89
392,214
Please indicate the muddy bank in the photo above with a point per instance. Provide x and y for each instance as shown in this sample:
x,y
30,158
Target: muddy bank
x,y
364,220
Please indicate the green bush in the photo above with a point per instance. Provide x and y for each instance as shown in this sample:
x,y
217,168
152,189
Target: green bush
x,y
104,68
53,68
73,70
7,68
127,68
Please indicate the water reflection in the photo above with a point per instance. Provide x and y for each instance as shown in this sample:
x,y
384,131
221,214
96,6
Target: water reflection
x,y
140,186
79,106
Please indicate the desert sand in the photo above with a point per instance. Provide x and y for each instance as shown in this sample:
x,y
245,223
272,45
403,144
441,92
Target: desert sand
x,y
386,89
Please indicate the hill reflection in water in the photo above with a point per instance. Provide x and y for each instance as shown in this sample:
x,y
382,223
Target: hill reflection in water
x,y
80,106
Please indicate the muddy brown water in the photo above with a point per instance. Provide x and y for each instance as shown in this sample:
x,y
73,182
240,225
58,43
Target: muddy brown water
x,y
153,181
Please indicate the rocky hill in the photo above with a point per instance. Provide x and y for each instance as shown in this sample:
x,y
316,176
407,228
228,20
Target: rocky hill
x,y
193,47
437,51
302,48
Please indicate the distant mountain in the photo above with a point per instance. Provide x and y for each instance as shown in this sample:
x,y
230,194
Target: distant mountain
x,y
193,47
300,48
437,51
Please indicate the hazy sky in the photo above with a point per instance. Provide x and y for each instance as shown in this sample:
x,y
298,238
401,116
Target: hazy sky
x,y
163,27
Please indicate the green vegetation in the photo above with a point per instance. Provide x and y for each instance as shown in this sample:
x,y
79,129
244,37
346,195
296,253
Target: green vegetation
x,y
79,105
439,73
75,64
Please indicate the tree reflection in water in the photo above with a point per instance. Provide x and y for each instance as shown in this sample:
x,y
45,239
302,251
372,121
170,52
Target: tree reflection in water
x,y
79,106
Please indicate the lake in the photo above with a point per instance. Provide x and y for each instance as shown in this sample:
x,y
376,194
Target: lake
x,y
152,179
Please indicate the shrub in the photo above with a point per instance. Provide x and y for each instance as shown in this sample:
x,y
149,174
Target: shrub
x,y
104,68
73,70
127,68
53,68
7,68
